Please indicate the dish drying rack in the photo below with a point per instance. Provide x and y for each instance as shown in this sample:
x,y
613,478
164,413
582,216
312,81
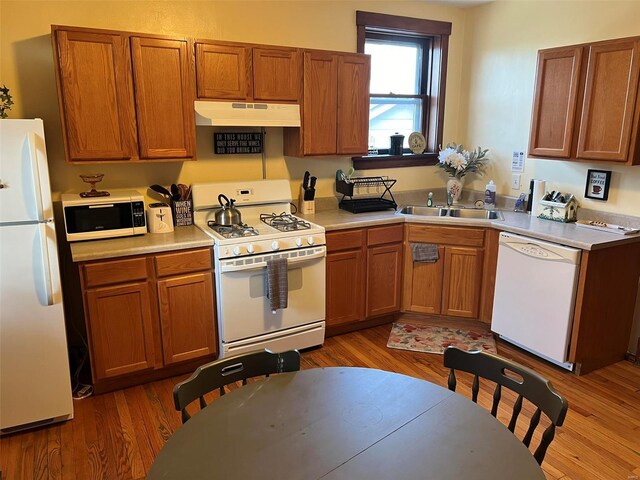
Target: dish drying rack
x,y
358,185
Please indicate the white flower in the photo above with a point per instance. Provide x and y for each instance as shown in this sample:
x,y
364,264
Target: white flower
x,y
457,161
445,154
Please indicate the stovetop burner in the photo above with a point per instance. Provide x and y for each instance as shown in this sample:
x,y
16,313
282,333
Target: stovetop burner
x,y
233,231
285,222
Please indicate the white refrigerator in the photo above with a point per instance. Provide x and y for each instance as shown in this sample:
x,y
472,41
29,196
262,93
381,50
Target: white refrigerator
x,y
35,385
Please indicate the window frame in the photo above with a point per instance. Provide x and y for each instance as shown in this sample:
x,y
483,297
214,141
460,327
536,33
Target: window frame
x,y
434,76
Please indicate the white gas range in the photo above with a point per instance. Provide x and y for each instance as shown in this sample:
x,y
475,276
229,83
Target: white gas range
x,y
268,231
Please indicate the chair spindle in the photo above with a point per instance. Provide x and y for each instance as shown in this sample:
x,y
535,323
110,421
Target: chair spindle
x,y
475,389
202,402
547,438
517,407
497,394
535,420
452,380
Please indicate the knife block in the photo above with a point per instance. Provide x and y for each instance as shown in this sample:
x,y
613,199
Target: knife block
x,y
305,207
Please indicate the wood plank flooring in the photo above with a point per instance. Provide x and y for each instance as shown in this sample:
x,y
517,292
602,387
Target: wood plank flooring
x,y
117,435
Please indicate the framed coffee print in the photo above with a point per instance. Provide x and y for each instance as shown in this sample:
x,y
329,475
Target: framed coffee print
x,y
597,184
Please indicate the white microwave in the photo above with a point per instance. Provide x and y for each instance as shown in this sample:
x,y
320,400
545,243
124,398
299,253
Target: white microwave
x,y
119,215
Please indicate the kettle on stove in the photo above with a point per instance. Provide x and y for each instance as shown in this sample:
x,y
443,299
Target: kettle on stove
x,y
228,215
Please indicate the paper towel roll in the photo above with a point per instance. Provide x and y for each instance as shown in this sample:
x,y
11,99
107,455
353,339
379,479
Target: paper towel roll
x,y
539,190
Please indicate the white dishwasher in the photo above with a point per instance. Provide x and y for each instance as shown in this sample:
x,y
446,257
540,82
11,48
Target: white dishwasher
x,y
535,296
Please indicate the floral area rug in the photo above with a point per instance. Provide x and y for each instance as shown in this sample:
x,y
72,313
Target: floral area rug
x,y
431,339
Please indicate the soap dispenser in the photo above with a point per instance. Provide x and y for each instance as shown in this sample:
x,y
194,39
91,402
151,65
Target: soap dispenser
x,y
490,196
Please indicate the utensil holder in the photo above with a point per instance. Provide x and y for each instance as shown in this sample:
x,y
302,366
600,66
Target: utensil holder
x,y
182,212
305,207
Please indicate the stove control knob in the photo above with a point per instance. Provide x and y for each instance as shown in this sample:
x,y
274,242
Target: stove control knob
x,y
236,251
310,240
250,248
298,242
275,245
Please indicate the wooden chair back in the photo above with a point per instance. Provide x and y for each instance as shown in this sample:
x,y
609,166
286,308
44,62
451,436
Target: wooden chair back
x,y
217,374
522,380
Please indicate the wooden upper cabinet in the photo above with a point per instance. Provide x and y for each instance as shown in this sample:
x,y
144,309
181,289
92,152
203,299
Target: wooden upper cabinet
x,y
585,105
555,98
277,74
95,93
223,71
610,97
319,122
164,98
353,104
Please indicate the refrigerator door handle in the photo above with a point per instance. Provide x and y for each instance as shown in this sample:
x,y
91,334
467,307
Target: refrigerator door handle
x,y
46,264
35,170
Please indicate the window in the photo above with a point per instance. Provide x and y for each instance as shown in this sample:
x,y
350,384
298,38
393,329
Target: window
x,y
408,77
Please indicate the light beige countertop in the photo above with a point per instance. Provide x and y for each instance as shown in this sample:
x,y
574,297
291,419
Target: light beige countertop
x,y
519,223
181,238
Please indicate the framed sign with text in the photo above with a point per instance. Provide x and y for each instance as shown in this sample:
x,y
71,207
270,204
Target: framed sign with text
x,y
597,184
226,143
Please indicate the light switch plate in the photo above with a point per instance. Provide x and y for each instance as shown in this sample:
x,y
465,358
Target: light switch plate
x,y
515,181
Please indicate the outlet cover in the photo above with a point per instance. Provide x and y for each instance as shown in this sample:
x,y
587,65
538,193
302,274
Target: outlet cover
x,y
515,181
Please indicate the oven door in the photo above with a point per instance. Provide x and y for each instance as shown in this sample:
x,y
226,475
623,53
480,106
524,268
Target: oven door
x,y
243,306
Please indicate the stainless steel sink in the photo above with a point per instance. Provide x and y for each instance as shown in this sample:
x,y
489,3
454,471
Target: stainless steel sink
x,y
475,213
424,211
470,213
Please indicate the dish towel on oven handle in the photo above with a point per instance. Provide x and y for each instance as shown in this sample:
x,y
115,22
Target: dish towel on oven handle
x,y
277,284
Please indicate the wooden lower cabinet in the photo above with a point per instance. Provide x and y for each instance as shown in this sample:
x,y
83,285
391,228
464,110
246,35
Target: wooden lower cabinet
x,y
453,284
147,314
121,329
364,274
186,307
384,279
462,281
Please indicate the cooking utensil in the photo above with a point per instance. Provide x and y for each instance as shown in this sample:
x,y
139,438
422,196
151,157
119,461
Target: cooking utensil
x,y
227,215
175,193
310,193
184,191
305,181
161,190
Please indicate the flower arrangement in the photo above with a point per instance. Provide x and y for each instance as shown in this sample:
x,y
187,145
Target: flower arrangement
x,y
457,161
5,101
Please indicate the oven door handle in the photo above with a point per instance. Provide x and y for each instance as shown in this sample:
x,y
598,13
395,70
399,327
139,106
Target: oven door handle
x,y
261,265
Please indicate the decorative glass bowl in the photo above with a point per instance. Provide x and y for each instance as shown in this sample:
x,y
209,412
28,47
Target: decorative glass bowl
x,y
93,178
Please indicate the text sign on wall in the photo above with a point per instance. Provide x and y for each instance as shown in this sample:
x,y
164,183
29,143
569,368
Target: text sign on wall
x,y
236,142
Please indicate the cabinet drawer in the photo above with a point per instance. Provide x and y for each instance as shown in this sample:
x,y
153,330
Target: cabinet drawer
x,y
382,235
472,237
345,240
117,271
183,262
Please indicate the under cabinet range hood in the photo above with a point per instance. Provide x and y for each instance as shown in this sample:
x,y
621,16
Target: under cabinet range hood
x,y
237,114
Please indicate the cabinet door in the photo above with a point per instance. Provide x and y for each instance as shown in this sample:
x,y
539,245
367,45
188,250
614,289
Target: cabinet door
x,y
121,331
320,103
555,100
462,282
277,74
95,91
610,95
164,98
223,71
187,317
384,279
345,287
422,290
353,103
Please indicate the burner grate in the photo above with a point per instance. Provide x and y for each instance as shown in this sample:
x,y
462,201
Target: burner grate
x,y
233,231
284,222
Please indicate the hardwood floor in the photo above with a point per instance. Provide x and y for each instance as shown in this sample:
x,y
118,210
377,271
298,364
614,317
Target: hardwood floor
x,y
117,435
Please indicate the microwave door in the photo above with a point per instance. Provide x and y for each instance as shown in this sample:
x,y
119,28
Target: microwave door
x,y
97,218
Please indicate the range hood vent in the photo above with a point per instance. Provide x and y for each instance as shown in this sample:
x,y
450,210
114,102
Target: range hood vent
x,y
236,114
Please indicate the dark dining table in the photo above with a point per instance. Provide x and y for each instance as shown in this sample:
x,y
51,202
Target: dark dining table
x,y
343,423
